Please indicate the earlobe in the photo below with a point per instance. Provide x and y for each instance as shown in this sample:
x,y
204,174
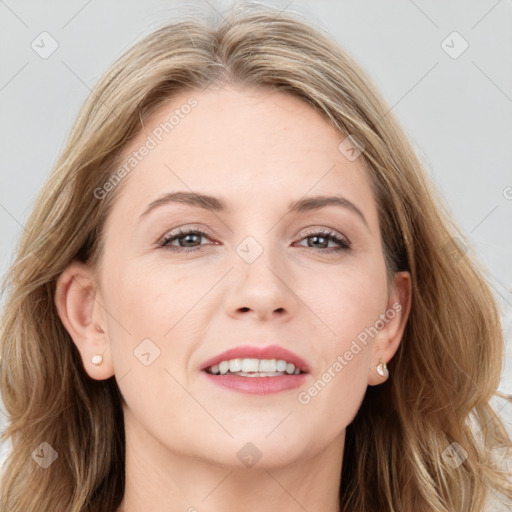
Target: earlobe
x,y
397,313
76,300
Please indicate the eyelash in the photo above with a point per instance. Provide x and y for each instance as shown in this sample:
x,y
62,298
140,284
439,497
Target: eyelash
x,y
331,236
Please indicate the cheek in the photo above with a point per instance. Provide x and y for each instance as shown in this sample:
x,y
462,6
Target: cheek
x,y
344,355
345,301
158,316
150,300
151,318
349,305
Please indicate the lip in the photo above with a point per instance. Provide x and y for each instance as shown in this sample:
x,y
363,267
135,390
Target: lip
x,y
257,385
252,351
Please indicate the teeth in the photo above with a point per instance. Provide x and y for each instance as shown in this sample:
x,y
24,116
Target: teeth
x,y
280,365
251,367
235,365
267,365
260,374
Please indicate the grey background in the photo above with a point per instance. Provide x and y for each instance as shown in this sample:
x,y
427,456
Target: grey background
x,y
457,112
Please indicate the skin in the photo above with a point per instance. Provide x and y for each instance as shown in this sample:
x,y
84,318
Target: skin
x,y
258,150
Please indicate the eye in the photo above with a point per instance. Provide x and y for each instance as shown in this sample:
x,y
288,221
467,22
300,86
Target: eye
x,y
320,239
187,240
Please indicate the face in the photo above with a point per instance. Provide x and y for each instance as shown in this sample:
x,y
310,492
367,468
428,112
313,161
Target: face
x,y
256,272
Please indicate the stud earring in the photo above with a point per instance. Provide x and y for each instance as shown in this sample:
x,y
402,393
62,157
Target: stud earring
x,y
382,369
97,359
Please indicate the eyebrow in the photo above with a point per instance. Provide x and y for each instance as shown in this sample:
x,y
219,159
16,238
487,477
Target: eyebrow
x,y
216,204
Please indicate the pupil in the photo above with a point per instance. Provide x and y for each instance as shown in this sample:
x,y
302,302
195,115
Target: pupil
x,y
316,238
187,238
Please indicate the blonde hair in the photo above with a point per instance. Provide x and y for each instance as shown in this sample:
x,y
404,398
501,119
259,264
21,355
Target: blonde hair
x,y
449,362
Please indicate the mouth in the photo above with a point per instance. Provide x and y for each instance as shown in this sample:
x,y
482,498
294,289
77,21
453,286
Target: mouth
x,y
252,367
257,370
246,360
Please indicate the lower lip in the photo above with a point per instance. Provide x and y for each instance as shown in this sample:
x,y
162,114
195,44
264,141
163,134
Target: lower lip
x,y
258,385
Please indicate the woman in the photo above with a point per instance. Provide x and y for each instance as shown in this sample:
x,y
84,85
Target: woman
x,y
239,288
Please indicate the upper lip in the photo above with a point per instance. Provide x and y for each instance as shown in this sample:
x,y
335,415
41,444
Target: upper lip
x,y
256,352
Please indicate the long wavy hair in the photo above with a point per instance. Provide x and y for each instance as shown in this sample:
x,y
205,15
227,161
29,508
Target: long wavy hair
x,y
401,447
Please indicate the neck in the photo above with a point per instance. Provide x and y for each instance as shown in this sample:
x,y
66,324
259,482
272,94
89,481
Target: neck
x,y
159,479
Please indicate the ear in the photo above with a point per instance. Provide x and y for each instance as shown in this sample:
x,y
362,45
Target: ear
x,y
394,320
79,306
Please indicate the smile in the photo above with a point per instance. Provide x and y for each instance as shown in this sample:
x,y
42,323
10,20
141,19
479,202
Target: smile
x,y
251,367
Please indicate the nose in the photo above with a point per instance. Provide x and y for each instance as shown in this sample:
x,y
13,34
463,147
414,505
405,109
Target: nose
x,y
262,289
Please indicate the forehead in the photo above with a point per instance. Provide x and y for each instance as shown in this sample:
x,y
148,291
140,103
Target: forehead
x,y
254,147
